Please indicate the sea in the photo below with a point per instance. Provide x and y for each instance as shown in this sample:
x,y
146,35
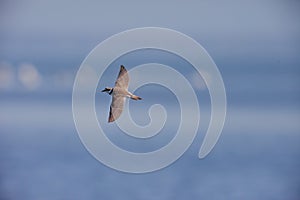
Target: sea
x,y
256,157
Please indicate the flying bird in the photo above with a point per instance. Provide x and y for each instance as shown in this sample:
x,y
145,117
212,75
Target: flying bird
x,y
119,94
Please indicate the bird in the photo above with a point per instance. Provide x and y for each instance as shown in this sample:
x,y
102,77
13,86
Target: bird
x,y
119,94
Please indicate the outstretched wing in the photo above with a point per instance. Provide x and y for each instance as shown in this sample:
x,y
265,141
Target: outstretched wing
x,y
116,107
123,78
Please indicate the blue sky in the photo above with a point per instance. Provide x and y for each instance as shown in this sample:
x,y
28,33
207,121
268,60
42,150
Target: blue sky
x,y
226,28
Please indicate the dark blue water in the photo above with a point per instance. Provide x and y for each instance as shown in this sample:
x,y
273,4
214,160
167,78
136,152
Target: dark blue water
x,y
257,157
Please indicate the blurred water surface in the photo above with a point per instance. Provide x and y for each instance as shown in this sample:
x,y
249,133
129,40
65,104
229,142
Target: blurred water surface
x,y
257,155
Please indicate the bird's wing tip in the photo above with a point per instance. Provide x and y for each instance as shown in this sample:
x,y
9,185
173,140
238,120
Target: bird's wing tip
x,y
111,119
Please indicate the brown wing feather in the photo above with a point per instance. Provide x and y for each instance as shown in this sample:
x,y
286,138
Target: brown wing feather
x,y
123,78
116,107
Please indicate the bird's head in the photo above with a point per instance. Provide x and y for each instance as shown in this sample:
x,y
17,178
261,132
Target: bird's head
x,y
107,90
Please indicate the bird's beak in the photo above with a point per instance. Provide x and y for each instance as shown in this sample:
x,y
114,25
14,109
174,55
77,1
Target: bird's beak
x,y
104,90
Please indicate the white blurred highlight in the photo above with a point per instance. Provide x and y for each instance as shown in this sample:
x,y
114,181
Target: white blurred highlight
x,y
29,77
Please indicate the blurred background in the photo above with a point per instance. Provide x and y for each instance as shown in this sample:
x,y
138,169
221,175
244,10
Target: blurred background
x,y
255,45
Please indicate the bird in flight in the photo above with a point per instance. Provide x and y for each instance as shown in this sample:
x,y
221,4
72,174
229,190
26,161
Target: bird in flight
x,y
119,94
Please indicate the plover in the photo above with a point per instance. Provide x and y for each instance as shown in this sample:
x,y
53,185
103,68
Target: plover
x,y
119,94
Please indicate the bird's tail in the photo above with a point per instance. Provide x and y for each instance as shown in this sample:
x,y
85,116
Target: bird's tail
x,y
134,97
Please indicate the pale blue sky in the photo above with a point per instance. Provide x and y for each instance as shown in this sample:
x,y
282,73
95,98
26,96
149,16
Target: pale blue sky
x,y
234,28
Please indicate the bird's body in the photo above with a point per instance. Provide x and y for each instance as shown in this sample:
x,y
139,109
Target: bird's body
x,y
119,94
